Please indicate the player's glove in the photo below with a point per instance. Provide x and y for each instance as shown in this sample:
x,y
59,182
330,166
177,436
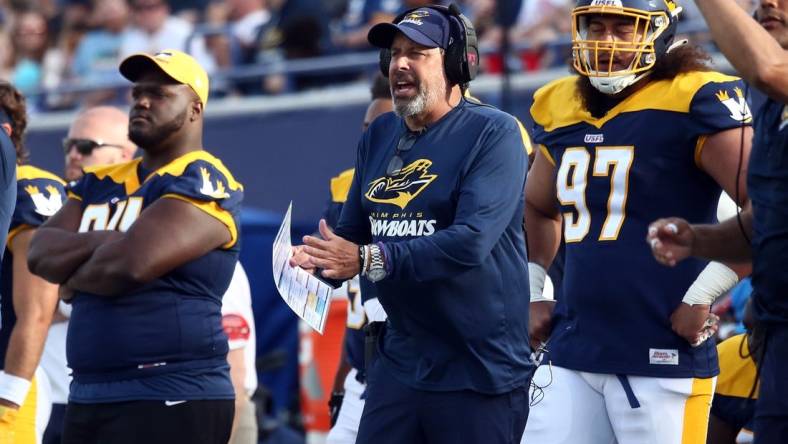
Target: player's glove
x,y
334,405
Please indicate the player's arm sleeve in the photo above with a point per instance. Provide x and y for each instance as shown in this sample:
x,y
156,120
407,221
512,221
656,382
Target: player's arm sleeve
x,y
527,144
353,224
211,189
720,105
37,200
339,188
489,197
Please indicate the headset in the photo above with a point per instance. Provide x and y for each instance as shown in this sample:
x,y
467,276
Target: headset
x,y
461,62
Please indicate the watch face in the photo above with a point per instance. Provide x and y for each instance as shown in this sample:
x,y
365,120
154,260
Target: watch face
x,y
376,274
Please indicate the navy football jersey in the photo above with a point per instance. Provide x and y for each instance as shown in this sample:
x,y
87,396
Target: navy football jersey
x,y
614,175
450,221
40,194
767,184
732,402
158,340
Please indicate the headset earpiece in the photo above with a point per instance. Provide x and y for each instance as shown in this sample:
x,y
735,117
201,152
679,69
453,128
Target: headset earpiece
x,y
385,61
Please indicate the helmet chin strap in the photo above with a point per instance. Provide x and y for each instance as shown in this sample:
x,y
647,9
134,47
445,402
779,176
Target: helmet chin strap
x,y
615,84
677,44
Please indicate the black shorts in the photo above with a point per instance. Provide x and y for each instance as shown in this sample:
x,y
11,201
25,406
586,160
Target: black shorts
x,y
150,422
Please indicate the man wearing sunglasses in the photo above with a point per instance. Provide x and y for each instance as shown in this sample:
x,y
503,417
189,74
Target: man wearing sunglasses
x,y
433,220
98,136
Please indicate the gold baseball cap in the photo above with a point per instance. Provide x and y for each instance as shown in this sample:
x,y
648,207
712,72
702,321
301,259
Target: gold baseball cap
x,y
177,64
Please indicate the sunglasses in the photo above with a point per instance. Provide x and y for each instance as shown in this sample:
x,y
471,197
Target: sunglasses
x,y
85,146
405,144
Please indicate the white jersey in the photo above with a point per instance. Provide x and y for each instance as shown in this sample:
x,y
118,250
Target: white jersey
x,y
238,323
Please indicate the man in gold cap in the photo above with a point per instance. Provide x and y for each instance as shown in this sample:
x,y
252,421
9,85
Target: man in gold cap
x,y
144,251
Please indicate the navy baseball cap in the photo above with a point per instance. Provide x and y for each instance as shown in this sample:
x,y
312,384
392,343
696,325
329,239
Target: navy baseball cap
x,y
424,26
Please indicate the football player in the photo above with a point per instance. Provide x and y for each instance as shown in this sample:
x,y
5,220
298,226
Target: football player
x,y
28,302
145,250
645,129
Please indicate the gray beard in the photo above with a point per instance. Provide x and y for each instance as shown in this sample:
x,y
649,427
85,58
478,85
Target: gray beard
x,y
411,107
417,105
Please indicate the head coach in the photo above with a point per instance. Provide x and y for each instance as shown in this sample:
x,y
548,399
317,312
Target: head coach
x,y
434,220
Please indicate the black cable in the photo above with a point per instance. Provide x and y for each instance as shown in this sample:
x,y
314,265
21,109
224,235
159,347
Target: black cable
x,y
738,169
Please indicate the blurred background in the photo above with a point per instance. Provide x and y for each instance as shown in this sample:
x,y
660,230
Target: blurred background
x,y
289,86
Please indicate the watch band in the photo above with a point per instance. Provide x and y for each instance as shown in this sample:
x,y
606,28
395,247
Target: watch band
x,y
362,259
376,260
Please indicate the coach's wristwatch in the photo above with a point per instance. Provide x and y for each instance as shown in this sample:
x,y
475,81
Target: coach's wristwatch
x,y
377,263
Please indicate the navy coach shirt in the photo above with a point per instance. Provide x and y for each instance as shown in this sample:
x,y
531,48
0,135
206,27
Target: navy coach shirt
x,y
767,185
450,221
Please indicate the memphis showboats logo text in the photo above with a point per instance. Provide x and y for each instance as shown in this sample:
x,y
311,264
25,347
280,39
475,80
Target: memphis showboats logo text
x,y
399,190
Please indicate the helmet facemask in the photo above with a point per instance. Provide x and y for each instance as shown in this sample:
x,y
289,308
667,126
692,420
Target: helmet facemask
x,y
595,58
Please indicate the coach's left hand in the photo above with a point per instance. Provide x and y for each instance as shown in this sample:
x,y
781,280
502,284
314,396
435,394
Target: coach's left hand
x,y
694,323
337,257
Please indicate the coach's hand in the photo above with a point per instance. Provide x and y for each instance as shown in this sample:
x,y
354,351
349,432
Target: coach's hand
x,y
671,240
302,259
694,323
336,256
540,324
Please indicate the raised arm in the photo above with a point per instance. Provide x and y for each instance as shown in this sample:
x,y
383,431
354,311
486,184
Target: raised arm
x,y
755,54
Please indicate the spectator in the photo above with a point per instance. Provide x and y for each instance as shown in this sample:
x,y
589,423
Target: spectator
x,y
247,19
98,53
539,23
359,18
154,28
33,63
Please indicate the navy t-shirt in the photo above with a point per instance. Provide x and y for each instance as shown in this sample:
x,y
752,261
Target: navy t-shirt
x,y
450,221
767,184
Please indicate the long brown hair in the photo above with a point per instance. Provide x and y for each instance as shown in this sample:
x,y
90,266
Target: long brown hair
x,y
13,103
684,59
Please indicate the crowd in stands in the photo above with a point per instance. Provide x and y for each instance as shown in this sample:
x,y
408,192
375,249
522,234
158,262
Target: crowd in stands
x,y
54,50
